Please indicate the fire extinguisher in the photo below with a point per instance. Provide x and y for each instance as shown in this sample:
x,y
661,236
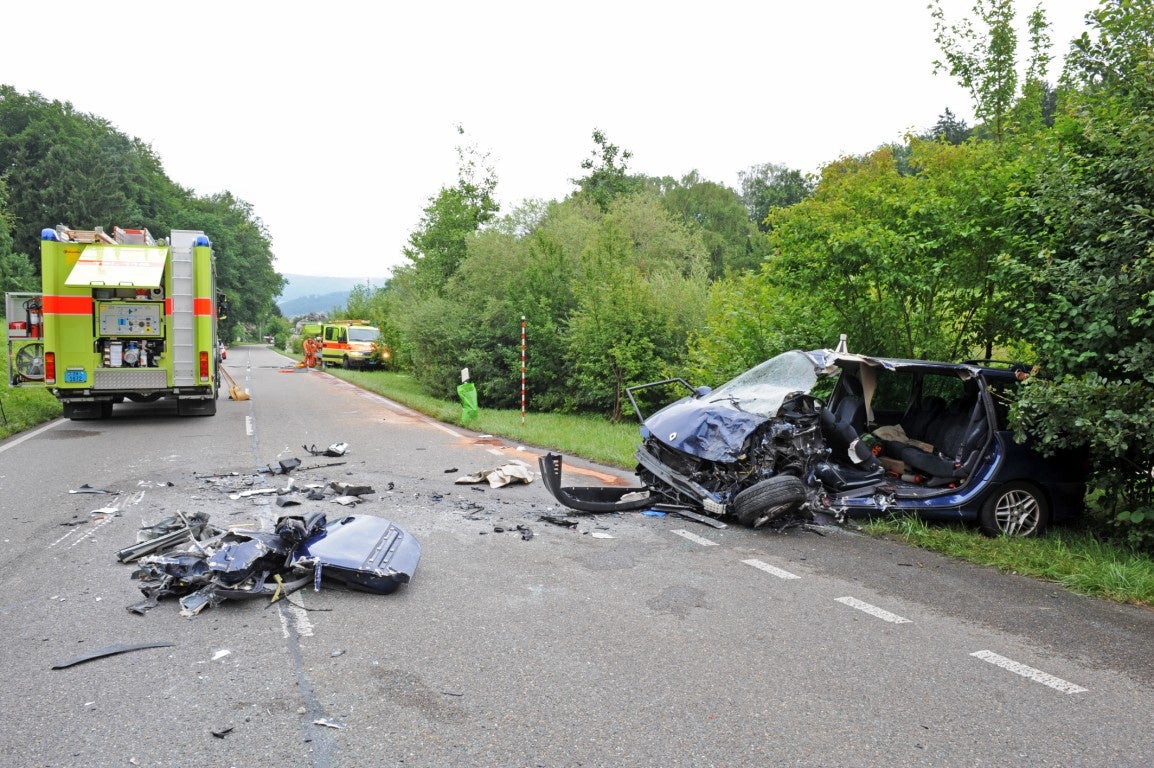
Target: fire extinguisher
x,y
35,318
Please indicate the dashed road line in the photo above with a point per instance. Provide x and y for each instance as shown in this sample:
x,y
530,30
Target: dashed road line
x,y
773,570
695,538
1037,675
873,610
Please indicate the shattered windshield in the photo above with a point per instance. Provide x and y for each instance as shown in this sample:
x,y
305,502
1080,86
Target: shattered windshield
x,y
762,389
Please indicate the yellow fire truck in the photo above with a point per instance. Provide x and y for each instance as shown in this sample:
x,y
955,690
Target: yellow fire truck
x,y
120,316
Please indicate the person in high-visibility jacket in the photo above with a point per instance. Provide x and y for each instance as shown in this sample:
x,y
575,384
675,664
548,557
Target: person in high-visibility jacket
x,y
310,348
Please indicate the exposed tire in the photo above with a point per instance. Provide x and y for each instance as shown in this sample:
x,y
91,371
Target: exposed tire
x,y
768,500
1015,509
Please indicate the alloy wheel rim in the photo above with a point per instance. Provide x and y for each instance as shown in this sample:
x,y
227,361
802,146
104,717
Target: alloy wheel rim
x,y
1017,513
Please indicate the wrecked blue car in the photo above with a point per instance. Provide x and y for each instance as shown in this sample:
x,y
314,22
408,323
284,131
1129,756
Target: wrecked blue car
x,y
892,436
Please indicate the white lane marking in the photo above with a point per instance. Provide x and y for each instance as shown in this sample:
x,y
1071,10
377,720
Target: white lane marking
x,y
90,533
695,538
72,532
248,426
1037,675
30,435
299,618
873,610
773,570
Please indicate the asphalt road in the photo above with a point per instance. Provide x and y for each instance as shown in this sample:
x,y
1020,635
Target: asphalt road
x,y
625,641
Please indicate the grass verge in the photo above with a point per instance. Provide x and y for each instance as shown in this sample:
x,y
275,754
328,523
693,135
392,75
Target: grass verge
x,y
1073,558
23,408
589,437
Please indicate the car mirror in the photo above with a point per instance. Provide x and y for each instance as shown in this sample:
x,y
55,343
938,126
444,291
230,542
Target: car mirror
x,y
702,391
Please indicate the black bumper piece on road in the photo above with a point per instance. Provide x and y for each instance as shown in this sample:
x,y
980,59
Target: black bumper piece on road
x,y
592,498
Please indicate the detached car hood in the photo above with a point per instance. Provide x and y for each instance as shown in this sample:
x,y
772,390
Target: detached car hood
x,y
715,426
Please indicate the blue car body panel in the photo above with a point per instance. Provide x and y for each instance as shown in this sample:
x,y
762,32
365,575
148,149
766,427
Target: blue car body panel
x,y
365,552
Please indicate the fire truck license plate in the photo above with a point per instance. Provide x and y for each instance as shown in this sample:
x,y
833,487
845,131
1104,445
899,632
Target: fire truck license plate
x,y
75,377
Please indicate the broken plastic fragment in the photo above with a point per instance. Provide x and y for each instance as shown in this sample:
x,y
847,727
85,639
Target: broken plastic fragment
x,y
112,650
561,521
348,489
336,449
86,488
330,723
252,492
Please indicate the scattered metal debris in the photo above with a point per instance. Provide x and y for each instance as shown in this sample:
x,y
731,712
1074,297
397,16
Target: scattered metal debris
x,y
330,724
283,467
336,449
111,650
364,552
166,534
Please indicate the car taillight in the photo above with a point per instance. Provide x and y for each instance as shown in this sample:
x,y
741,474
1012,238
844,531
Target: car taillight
x,y
204,365
49,367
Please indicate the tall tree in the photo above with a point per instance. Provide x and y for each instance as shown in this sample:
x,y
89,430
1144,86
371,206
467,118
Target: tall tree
x,y
716,212
985,62
770,185
607,177
1086,299
949,128
16,271
907,263
438,245
244,260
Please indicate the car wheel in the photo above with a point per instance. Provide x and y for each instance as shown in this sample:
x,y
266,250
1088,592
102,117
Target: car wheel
x,y
768,500
1015,509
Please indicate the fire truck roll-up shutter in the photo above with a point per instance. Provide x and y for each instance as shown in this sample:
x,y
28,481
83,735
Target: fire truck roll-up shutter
x,y
119,266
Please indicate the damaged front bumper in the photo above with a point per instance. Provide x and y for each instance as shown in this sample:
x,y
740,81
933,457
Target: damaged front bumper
x,y
592,498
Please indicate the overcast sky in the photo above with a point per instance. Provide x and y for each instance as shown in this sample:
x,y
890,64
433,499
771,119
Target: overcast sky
x,y
335,119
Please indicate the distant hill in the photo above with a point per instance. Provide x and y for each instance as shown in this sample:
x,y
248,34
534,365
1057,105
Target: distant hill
x,y
303,294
